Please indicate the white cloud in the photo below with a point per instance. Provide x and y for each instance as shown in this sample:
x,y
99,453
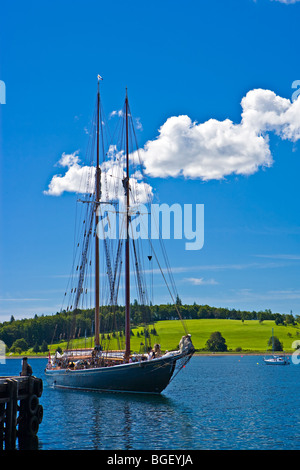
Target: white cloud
x,y
21,299
81,179
117,113
281,256
264,111
215,149
210,150
74,180
287,2
200,281
120,113
138,124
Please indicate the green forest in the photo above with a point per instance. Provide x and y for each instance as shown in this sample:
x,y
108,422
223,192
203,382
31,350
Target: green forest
x,y
40,331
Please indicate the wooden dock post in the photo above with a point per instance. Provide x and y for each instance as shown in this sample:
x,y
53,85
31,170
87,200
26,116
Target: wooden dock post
x,y
21,420
11,414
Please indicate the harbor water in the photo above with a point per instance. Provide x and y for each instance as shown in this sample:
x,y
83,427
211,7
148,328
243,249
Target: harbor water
x,y
217,403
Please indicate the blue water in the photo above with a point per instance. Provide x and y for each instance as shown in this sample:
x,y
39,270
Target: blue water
x,y
213,403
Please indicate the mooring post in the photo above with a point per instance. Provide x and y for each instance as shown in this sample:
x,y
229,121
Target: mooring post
x,y
21,420
26,368
11,414
2,420
30,411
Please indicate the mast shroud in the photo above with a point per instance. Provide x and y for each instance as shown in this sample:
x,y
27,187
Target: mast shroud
x,y
142,375
127,261
97,199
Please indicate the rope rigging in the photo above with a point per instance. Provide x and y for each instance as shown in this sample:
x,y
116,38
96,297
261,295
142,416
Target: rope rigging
x,y
113,183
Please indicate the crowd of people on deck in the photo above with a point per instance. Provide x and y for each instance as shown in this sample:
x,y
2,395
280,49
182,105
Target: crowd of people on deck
x,y
99,359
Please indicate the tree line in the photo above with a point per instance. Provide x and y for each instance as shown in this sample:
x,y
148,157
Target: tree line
x,y
48,329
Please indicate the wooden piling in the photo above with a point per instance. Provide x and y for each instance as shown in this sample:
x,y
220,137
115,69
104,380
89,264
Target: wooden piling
x,y
19,420
11,414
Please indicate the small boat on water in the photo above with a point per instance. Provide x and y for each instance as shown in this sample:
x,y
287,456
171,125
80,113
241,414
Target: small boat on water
x,y
100,368
276,359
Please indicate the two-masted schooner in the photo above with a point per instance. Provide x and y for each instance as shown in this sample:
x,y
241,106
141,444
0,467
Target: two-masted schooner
x,y
98,368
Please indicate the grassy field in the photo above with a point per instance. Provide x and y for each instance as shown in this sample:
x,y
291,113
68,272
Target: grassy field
x,y
250,336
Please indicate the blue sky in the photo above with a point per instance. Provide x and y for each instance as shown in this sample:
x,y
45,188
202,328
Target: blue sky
x,y
197,59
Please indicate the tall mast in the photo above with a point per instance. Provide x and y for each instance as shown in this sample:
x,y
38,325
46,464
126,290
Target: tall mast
x,y
97,199
127,271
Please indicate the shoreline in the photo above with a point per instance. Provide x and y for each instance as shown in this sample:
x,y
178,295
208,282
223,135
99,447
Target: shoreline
x,y
205,354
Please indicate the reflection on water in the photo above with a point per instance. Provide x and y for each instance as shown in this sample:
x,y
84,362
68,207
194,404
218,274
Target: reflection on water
x,y
214,403
114,420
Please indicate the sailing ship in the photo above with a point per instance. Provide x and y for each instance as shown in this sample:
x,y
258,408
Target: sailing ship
x,y
275,359
98,367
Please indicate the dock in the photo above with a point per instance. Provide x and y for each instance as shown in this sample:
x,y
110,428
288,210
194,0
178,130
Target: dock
x,y
20,410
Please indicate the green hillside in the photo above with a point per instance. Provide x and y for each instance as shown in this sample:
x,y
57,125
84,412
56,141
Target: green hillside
x,y
247,336
250,335
246,330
